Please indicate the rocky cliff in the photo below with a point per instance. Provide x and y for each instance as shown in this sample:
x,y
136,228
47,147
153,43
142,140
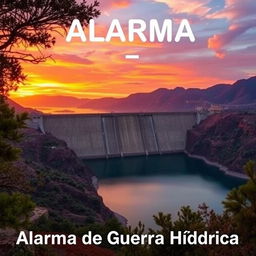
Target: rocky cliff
x,y
60,181
228,139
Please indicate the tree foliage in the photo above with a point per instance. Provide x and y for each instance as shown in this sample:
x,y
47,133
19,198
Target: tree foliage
x,y
14,207
10,125
34,23
239,217
14,210
240,205
11,176
25,24
10,74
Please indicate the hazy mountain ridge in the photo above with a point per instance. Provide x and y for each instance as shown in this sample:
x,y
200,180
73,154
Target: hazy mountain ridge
x,y
178,99
13,104
19,109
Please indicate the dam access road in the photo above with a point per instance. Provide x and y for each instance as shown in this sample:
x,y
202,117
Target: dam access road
x,y
115,135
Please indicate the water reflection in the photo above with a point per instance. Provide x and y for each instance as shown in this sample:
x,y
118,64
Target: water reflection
x,y
138,187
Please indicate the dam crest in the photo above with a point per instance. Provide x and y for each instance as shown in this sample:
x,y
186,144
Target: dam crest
x,y
118,135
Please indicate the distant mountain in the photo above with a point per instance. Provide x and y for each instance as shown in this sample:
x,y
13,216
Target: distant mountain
x,y
242,92
19,108
50,101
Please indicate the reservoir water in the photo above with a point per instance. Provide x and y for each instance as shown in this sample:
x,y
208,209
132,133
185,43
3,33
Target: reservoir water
x,y
139,187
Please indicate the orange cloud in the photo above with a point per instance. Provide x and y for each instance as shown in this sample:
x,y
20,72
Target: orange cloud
x,y
106,5
235,12
218,42
215,42
94,70
121,4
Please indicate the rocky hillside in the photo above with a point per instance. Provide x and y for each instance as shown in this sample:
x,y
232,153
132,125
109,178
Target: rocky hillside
x,y
60,181
228,139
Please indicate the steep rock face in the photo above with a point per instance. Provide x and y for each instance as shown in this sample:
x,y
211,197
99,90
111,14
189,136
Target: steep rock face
x,y
60,181
228,139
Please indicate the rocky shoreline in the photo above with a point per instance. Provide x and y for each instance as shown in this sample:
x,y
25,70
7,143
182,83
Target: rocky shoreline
x,y
219,166
226,140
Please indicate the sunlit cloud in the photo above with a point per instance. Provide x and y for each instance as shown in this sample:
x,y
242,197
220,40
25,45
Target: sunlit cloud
x,y
109,4
72,59
241,16
95,70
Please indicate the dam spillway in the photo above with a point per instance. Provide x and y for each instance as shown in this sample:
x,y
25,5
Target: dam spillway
x,y
114,135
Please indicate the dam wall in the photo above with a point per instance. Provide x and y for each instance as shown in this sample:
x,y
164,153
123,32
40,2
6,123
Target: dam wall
x,y
114,135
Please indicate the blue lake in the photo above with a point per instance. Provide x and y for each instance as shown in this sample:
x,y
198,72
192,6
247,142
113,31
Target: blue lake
x,y
139,187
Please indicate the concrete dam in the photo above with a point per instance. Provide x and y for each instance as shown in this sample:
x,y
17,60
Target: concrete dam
x,y
115,135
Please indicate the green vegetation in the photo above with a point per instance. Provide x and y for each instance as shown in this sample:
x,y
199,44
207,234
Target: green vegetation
x,y
10,125
72,199
14,207
239,217
67,227
25,23
31,23
240,206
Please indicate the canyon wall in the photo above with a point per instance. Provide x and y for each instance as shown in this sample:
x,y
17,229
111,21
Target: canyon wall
x,y
228,139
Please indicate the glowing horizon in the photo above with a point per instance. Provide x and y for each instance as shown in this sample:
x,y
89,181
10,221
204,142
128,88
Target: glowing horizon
x,y
223,53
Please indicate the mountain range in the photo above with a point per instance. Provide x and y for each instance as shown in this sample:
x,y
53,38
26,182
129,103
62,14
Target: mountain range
x,y
20,109
241,94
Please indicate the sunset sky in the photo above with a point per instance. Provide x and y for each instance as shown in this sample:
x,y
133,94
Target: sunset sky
x,y
224,51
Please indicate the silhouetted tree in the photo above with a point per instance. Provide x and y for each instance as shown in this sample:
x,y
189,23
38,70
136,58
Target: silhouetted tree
x,y
11,178
14,207
33,23
24,24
